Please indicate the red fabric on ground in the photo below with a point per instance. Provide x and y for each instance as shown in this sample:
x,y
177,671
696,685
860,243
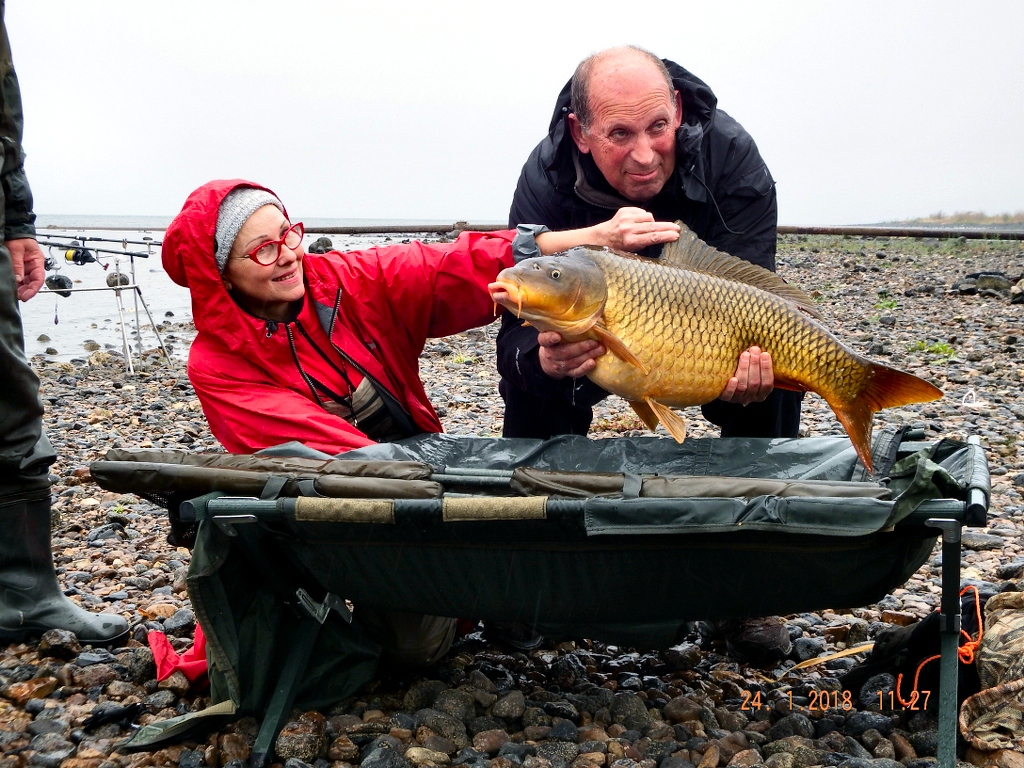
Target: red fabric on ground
x,y
192,662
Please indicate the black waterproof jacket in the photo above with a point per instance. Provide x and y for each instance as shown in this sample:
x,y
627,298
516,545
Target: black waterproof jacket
x,y
721,188
24,451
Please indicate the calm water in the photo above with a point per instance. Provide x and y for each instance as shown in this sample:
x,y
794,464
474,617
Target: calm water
x,y
68,324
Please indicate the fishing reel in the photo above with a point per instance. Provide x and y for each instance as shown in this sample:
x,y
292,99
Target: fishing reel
x,y
78,255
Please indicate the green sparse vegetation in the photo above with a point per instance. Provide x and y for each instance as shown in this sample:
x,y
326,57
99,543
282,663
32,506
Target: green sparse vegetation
x,y
621,422
886,304
938,348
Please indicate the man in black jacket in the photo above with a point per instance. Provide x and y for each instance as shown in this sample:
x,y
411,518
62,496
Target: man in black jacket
x,y
642,136
637,134
31,600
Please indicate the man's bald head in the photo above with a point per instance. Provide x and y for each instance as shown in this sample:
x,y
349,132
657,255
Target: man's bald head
x,y
610,62
625,115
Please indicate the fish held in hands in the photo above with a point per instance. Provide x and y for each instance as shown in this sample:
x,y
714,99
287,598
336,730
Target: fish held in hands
x,y
674,328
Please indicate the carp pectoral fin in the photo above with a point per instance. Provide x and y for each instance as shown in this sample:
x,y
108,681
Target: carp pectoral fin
x,y
674,423
618,348
643,410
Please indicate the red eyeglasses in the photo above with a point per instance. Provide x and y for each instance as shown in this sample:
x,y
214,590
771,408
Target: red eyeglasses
x,y
269,252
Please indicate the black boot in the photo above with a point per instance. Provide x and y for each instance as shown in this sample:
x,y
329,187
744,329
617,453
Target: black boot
x,y
31,601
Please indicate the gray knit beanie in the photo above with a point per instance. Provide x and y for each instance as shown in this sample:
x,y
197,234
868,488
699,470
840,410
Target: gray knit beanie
x,y
239,204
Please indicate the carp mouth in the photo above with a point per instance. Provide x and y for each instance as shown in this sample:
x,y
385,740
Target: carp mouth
x,y
507,294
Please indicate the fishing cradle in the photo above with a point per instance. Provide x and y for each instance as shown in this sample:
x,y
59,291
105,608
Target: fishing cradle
x,y
71,250
621,540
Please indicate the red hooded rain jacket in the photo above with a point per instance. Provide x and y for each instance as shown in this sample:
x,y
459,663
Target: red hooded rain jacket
x,y
378,307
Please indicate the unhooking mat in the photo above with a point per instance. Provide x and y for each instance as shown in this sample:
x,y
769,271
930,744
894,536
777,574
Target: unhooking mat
x,y
621,539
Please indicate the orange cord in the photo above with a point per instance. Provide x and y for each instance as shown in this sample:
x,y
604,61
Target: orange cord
x,y
964,652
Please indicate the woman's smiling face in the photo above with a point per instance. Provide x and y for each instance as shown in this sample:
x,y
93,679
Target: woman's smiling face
x,y
265,291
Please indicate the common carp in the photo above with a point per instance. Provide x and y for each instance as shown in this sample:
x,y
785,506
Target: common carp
x,y
674,328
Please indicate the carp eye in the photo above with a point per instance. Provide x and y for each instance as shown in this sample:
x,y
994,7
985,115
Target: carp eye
x,y
555,274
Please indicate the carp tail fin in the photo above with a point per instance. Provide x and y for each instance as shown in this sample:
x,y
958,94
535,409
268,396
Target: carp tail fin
x,y
887,388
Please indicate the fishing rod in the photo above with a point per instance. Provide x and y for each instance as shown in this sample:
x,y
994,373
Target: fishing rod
x,y
157,243
975,233
73,247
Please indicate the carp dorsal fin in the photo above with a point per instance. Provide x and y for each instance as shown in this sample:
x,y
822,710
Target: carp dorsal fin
x,y
616,346
692,253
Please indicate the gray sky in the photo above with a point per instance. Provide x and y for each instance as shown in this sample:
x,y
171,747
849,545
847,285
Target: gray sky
x,y
864,111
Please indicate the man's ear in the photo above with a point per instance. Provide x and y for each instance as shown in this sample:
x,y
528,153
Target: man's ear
x,y
679,109
578,134
227,285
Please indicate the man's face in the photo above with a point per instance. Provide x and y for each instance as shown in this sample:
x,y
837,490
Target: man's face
x,y
632,135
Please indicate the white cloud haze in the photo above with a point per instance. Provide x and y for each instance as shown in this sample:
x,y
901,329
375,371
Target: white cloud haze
x,y
865,111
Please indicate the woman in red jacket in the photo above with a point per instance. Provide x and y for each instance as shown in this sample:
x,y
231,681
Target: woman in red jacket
x,y
324,349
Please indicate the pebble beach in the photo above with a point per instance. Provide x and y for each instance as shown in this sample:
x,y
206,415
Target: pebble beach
x,y
950,311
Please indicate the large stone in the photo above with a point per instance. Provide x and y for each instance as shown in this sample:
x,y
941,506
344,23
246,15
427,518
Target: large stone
x,y
181,624
233,746
629,710
94,675
176,682
437,743
141,666
304,739
554,751
36,688
680,709
510,706
384,758
564,730
50,749
795,724
904,750
459,704
444,725
780,760
683,656
421,756
859,722
746,758
343,748
160,700
980,541
59,643
925,743
490,741
423,694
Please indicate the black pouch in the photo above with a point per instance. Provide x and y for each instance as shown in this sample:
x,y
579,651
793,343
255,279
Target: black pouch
x,y
898,653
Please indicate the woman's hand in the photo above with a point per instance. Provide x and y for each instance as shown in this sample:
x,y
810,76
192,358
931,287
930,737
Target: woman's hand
x,y
633,229
630,229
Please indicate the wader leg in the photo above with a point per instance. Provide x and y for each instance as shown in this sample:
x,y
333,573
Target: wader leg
x,y
949,640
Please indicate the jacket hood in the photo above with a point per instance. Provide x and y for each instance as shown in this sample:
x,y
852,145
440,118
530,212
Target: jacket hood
x,y
699,108
188,257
